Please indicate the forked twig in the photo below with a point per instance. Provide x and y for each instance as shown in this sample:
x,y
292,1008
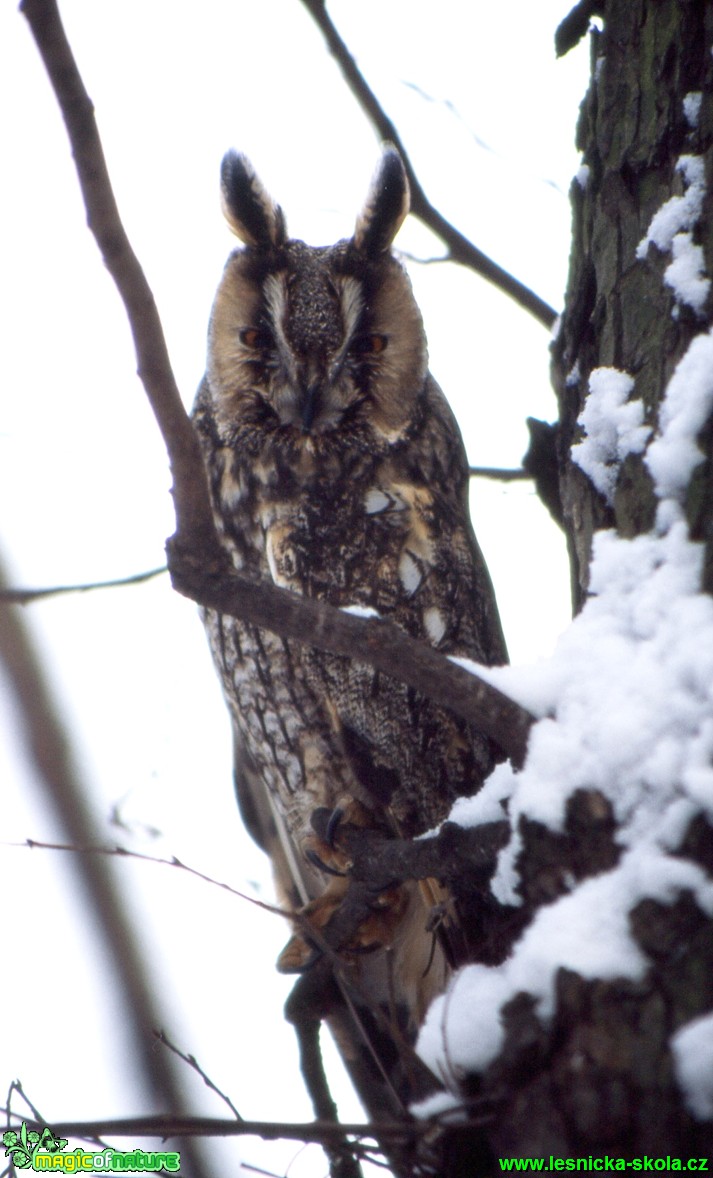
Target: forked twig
x,y
460,249
193,1063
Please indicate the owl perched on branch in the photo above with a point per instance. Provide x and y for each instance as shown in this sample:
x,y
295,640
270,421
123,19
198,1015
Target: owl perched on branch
x,y
337,471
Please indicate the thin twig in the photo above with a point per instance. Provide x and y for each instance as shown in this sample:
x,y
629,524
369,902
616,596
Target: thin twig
x,y
125,853
460,249
26,596
503,473
165,1127
193,1063
16,1086
474,1113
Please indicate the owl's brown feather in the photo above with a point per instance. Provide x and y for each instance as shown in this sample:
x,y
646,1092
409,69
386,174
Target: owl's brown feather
x,y
337,470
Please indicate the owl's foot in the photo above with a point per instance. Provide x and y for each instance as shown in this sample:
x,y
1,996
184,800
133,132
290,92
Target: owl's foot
x,y
323,850
301,952
375,932
325,847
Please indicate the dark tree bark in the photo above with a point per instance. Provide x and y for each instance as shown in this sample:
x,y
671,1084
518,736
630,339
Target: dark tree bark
x,y
599,1078
632,131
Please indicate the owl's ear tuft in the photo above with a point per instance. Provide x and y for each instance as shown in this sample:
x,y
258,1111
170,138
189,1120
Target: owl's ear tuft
x,y
386,207
248,208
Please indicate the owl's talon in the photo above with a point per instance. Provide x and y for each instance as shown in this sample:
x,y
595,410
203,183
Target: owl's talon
x,y
326,822
315,860
335,820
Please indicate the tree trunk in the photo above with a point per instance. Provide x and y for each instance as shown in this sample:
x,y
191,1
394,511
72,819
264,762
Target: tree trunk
x,y
619,310
599,1076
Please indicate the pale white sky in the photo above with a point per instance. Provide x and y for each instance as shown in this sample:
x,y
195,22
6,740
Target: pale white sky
x,y
489,116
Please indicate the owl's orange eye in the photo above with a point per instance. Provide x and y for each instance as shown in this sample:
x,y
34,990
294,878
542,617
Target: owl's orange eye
x,y
256,337
370,344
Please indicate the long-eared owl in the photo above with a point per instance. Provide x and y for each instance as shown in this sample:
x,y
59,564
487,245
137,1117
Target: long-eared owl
x,y
337,471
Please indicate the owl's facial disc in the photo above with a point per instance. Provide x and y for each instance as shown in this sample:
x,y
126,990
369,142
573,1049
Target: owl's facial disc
x,y
314,341
316,369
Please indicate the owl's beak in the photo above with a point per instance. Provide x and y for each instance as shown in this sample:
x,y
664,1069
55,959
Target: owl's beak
x,y
311,405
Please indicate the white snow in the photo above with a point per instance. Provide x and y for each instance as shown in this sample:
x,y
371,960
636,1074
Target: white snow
x,y
671,230
625,707
360,611
574,376
627,698
582,176
586,931
614,427
438,1105
488,805
686,273
680,212
692,1049
692,107
689,403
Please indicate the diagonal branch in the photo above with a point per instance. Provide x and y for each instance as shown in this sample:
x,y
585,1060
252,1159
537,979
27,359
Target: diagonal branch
x,y
460,249
375,641
199,567
65,795
154,367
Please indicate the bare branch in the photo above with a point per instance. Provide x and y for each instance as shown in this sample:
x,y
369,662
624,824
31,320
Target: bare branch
x,y
124,853
199,567
167,1127
305,1010
375,641
193,1063
502,473
27,596
189,487
460,249
50,753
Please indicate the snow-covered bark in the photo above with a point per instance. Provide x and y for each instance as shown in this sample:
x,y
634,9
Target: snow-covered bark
x,y
587,1030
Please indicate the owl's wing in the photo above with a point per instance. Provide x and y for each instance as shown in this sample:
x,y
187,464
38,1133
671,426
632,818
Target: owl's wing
x,y
266,827
419,565
356,1001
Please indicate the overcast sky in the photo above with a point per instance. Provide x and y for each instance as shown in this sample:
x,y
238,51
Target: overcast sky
x,y
488,116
